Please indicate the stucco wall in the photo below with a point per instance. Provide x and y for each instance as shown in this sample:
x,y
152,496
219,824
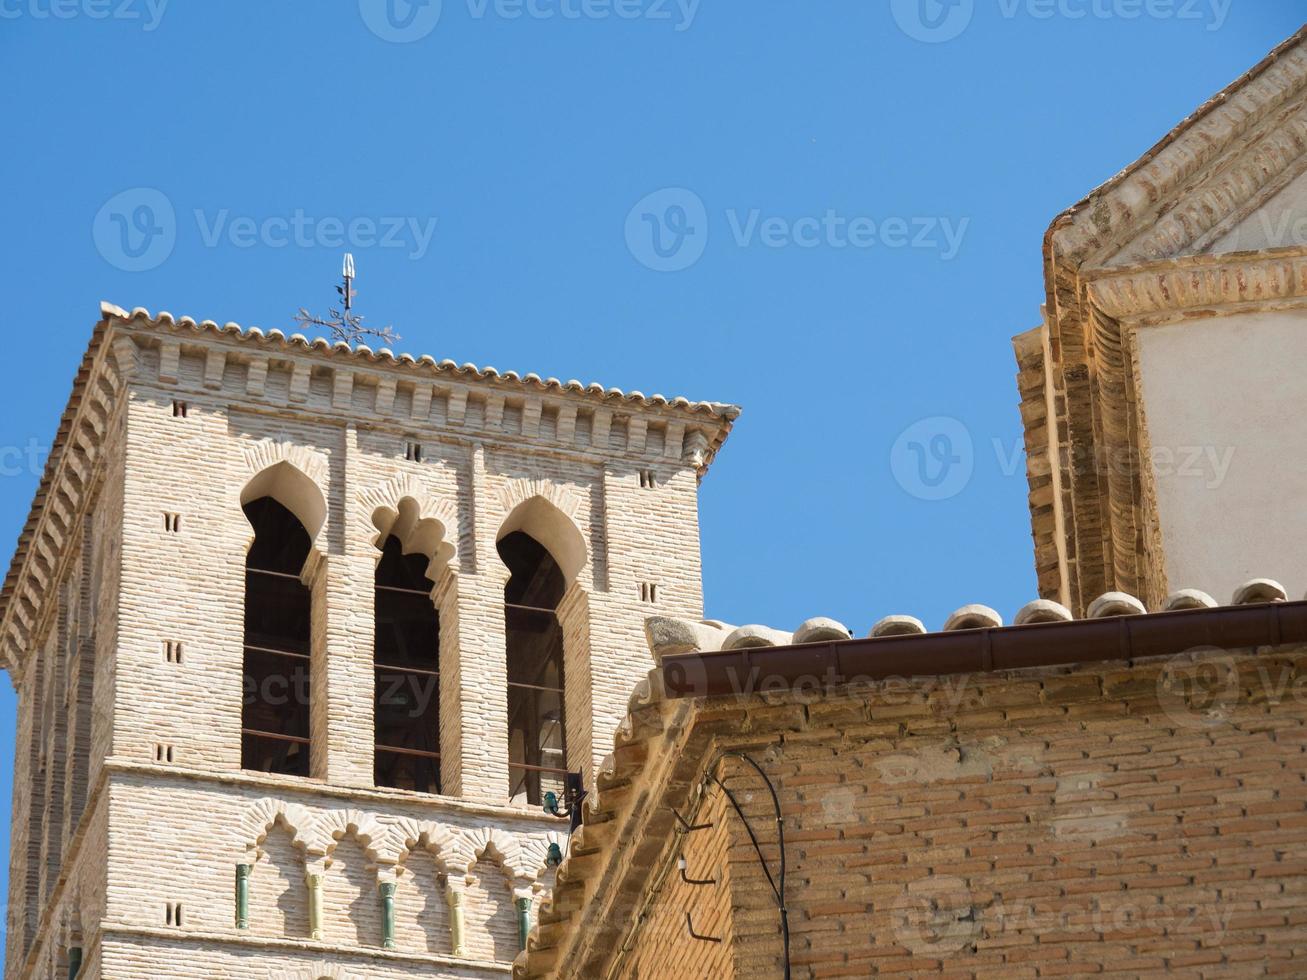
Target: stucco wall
x,y
1222,400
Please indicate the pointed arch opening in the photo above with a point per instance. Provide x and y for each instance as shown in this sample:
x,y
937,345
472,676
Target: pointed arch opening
x,y
537,750
293,489
406,662
553,529
278,616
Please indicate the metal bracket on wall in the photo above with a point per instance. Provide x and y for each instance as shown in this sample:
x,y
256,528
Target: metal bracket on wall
x,y
686,826
689,925
682,865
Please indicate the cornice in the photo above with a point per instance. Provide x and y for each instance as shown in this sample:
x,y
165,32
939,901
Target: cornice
x,y
1215,135
335,952
695,431
523,819
425,366
62,496
1199,283
1261,164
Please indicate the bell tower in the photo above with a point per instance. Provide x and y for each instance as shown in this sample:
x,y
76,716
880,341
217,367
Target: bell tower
x,y
304,632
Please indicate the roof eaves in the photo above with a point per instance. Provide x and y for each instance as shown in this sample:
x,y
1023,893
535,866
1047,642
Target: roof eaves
x,y
69,415
1096,205
383,356
985,649
695,697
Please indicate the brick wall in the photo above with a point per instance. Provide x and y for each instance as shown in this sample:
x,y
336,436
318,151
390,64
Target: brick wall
x,y
63,735
100,701
197,466
1131,819
665,947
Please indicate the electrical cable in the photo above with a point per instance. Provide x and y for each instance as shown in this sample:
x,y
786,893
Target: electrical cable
x,y
778,888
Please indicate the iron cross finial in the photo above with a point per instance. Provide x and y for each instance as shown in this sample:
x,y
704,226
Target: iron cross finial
x,y
345,324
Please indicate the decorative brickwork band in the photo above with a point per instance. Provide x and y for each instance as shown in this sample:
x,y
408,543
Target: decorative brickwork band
x,y
74,962
387,889
243,895
315,906
454,892
523,921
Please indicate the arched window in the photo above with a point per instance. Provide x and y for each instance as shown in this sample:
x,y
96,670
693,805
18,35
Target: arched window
x,y
536,749
406,658
275,716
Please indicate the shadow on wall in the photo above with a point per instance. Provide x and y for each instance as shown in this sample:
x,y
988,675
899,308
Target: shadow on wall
x,y
351,908
351,911
491,919
421,909
279,900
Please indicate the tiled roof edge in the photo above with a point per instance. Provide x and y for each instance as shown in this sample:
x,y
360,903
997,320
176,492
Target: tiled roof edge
x,y
657,710
384,356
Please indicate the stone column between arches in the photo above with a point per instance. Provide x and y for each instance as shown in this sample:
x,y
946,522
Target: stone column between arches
x,y
474,676
343,678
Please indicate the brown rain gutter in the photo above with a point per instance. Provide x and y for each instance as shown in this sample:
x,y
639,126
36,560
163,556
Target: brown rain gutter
x,y
754,669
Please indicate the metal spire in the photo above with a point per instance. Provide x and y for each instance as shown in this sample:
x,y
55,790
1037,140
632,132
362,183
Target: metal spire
x,y
345,324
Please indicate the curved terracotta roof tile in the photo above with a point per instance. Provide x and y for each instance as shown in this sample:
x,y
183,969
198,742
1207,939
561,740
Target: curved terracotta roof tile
x,y
384,355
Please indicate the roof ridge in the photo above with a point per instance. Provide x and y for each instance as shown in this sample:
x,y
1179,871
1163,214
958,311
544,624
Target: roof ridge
x,y
1094,204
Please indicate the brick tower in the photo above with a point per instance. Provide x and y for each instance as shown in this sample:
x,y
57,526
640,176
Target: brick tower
x,y
302,636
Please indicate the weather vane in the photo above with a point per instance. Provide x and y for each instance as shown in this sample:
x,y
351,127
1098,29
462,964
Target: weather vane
x,y
345,324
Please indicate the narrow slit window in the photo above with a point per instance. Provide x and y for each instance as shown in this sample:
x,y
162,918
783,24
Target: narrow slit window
x,y
647,479
413,452
278,605
537,750
406,662
172,522
179,409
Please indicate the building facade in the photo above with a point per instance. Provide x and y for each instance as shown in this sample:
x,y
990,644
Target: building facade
x,y
1161,395
1112,784
303,634
1118,796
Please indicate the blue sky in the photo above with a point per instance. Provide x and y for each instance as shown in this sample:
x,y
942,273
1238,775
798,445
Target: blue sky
x,y
828,212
